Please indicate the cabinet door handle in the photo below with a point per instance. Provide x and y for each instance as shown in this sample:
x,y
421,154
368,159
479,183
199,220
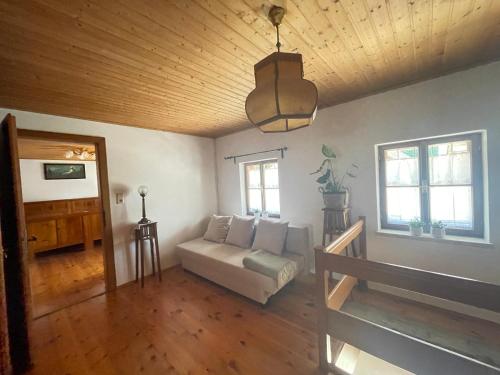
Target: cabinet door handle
x,y
32,239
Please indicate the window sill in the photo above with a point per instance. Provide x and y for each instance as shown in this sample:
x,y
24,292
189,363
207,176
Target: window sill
x,y
470,241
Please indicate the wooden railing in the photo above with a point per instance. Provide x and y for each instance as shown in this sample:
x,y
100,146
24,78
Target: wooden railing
x,y
336,327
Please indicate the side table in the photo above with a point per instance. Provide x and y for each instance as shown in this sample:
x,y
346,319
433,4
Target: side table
x,y
146,232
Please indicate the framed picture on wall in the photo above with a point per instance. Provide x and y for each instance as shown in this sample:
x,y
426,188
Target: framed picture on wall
x,y
61,171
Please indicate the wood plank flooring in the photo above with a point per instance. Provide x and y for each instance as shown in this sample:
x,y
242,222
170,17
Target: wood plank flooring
x,y
184,325
188,325
64,277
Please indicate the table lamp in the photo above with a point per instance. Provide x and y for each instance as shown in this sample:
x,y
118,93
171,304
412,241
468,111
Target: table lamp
x,y
143,191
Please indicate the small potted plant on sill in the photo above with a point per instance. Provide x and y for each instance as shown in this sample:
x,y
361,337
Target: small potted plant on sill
x,y
416,227
335,193
438,229
256,214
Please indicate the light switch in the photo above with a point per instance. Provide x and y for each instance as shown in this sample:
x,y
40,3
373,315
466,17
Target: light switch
x,y
119,198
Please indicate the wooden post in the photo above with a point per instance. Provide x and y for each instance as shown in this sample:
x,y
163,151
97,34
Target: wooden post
x,y
321,294
362,249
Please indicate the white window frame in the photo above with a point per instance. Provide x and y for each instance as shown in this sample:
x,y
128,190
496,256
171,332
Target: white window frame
x,y
245,186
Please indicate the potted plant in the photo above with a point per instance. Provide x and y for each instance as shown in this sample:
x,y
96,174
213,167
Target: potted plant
x,y
438,229
256,213
335,193
416,227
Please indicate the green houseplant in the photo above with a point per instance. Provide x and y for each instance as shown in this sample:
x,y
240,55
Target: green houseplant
x,y
335,193
438,229
416,227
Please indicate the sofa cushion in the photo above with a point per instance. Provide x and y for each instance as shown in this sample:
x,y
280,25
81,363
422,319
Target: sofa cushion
x,y
240,231
217,228
221,252
232,256
270,236
279,268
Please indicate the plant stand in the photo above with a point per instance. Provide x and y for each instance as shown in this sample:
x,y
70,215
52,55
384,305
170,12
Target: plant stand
x,y
336,222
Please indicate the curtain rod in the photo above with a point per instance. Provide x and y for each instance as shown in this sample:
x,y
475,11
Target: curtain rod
x,y
234,157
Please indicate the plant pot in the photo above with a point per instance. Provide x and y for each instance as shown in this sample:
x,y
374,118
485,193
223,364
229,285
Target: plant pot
x,y
336,200
416,231
438,232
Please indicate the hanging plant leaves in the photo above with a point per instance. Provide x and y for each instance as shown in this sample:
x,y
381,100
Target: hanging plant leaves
x,y
328,152
323,179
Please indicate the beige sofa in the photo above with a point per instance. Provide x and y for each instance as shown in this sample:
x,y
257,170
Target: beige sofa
x,y
223,264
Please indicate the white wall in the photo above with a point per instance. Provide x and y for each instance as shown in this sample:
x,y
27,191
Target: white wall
x,y
464,101
179,170
36,188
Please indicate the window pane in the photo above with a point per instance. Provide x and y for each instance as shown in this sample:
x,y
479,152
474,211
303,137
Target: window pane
x,y
401,166
272,201
452,205
253,176
403,204
271,179
254,200
450,163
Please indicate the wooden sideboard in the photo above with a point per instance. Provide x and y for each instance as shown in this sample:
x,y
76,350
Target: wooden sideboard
x,y
55,224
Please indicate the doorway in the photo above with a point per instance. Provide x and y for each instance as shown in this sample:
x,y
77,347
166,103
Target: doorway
x,y
66,204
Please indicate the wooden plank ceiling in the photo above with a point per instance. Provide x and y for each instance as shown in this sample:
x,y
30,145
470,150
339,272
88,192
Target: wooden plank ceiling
x,y
187,66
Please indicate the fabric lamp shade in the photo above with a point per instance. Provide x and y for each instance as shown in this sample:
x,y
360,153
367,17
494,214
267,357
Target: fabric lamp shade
x,y
282,99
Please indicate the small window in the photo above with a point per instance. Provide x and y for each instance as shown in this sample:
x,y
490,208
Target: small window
x,y
262,187
438,179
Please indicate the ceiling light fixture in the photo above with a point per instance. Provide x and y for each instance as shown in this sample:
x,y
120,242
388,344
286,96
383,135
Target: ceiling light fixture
x,y
80,153
282,99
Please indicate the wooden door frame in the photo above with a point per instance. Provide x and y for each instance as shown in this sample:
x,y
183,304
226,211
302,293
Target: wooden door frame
x,y
103,185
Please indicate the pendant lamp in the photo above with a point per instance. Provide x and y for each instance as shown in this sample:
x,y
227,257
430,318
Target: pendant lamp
x,y
282,99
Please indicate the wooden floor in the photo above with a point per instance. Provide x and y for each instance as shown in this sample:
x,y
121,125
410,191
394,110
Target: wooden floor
x,y
64,277
184,325
187,325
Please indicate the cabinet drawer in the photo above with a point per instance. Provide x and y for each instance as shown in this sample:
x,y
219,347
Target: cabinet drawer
x,y
42,236
85,205
38,210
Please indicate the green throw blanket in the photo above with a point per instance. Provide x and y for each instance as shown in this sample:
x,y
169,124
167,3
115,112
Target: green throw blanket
x,y
279,268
